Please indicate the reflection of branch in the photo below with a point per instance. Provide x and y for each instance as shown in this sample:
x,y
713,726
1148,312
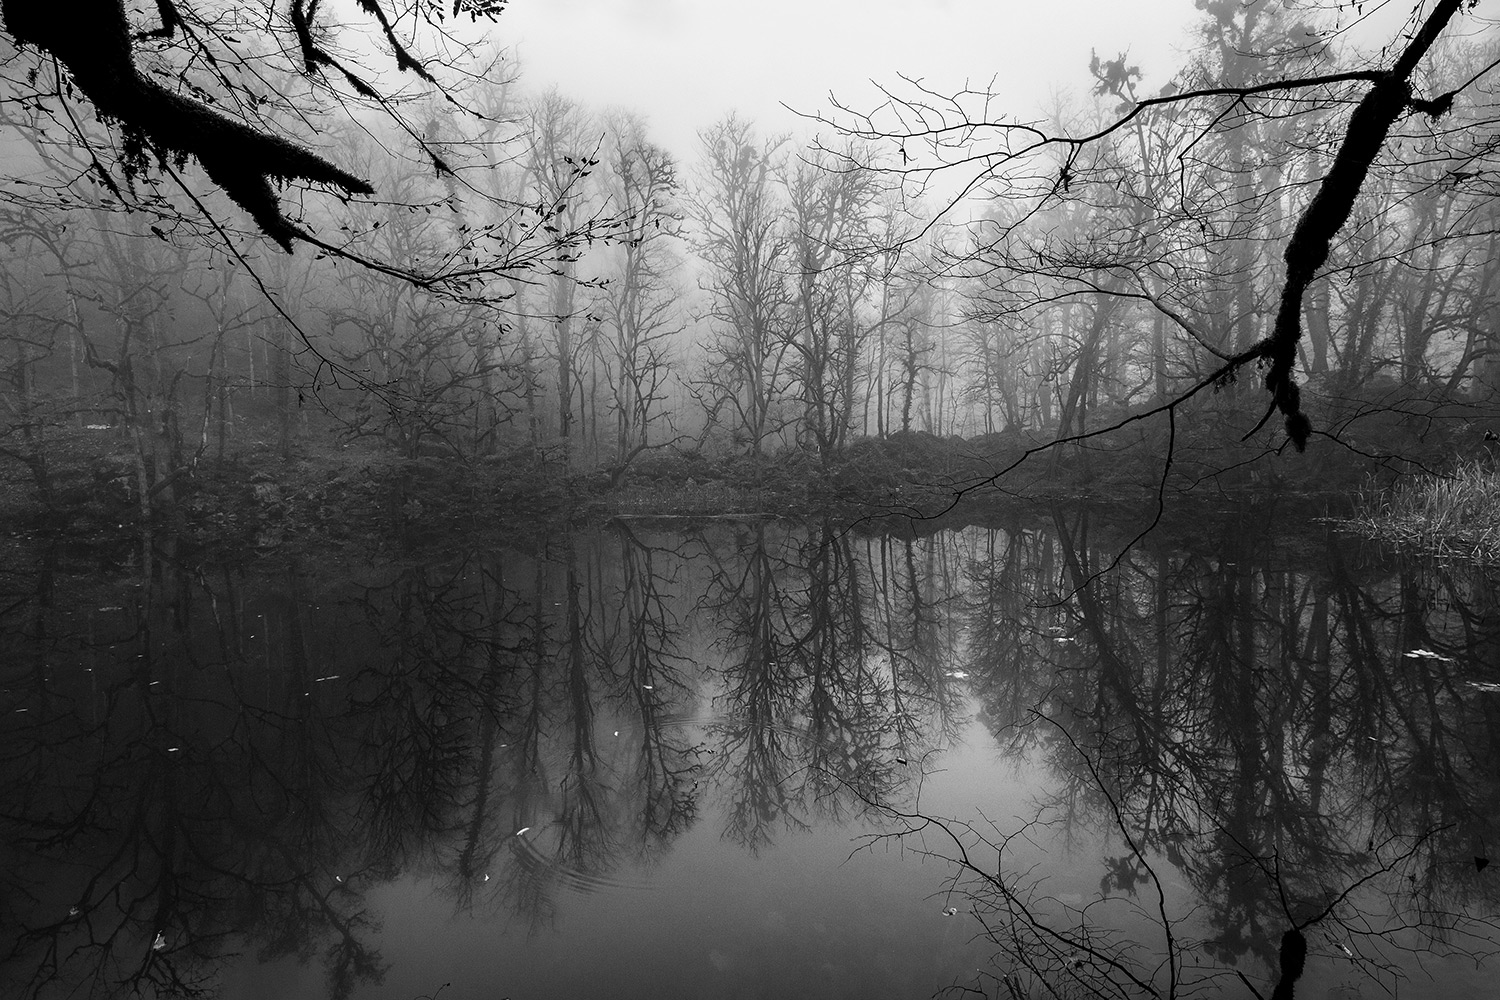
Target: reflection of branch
x,y
1135,849
1062,946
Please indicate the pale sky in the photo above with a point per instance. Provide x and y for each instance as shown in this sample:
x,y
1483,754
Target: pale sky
x,y
685,63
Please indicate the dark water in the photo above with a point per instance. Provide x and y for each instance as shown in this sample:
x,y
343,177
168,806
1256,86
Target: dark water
x,y
759,760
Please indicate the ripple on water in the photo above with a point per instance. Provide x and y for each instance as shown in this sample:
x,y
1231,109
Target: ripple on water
x,y
541,868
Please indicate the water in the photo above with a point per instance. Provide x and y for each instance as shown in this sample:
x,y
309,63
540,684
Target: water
x,y
751,760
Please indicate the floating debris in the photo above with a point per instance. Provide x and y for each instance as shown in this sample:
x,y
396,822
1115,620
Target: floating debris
x,y
1426,654
486,876
330,677
522,830
950,911
900,760
339,879
160,942
1488,687
958,674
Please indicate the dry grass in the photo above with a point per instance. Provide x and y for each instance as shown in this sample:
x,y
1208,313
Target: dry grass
x,y
1457,514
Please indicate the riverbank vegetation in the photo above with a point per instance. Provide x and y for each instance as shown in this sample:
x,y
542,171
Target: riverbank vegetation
x,y
1456,513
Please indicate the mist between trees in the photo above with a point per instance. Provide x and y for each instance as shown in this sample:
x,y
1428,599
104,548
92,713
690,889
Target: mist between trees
x,y
504,278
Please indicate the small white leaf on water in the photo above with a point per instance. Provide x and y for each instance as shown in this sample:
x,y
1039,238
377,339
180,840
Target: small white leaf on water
x,y
950,911
959,674
522,830
160,942
338,878
648,687
486,876
73,911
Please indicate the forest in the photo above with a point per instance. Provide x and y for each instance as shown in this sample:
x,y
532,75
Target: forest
x,y
528,303
457,543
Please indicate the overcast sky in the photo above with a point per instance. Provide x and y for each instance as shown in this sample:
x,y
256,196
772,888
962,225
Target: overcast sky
x,y
685,63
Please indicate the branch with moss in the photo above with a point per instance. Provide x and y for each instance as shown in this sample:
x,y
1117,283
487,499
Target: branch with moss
x,y
92,40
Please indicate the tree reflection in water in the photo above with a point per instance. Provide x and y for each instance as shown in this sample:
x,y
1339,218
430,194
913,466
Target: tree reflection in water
x,y
1273,742
1226,737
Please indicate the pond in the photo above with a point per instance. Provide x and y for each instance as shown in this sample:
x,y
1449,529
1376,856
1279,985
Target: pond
x,y
754,759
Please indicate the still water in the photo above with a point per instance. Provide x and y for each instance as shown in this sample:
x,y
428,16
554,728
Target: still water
x,y
751,760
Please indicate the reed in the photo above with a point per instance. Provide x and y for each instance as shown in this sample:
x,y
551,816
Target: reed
x,y
1454,514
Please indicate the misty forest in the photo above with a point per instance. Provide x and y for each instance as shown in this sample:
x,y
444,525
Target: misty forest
x,y
458,545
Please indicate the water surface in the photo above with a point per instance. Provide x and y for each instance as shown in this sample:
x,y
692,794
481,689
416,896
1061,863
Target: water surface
x,y
751,760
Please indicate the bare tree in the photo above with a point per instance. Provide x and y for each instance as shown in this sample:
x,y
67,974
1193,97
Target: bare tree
x,y
638,302
830,215
741,242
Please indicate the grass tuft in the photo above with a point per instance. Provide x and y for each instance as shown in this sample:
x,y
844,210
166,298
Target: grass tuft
x,y
1457,514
